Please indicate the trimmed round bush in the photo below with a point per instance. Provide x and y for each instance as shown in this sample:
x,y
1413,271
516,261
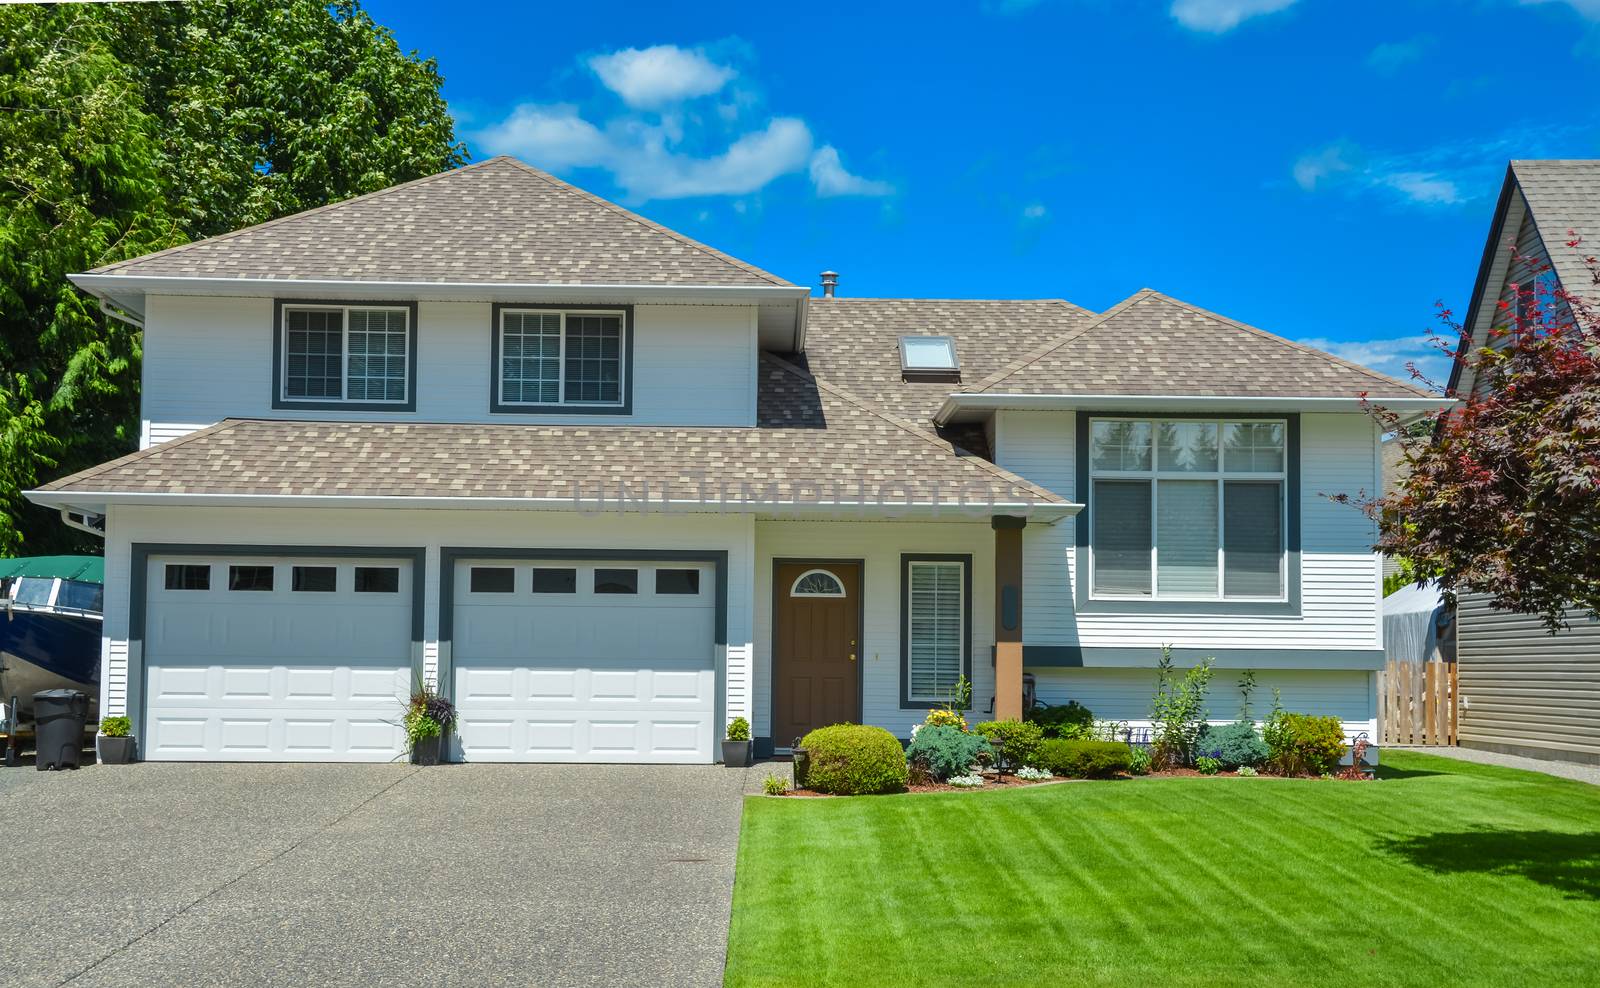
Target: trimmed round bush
x,y
854,759
944,752
1084,759
1232,744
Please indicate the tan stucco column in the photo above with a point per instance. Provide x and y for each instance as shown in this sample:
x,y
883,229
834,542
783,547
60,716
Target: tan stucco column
x,y
1008,616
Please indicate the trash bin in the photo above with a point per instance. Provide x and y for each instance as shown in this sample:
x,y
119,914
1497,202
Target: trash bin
x,y
58,718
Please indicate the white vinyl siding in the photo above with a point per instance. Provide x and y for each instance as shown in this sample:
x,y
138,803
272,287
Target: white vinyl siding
x,y
561,358
344,353
936,629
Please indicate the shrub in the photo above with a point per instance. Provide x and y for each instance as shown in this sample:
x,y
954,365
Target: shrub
x,y
1071,720
116,727
943,751
945,717
1084,759
738,729
1030,774
1233,744
972,781
1302,744
854,759
1139,761
1248,772
420,727
1178,711
1207,765
774,785
1016,741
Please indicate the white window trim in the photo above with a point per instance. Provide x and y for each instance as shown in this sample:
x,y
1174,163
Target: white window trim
x,y
561,359
794,588
344,355
1221,477
961,615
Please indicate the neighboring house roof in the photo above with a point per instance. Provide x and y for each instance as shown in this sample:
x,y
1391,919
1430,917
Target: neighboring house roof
x,y
856,342
1152,344
499,221
814,443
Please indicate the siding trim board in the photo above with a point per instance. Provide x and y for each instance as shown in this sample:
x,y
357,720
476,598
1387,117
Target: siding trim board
x,y
138,591
1077,656
281,401
1288,607
564,408
906,559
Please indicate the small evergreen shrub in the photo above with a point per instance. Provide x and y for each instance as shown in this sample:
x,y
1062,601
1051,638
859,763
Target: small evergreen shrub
x,y
1233,744
1015,741
941,751
738,729
116,727
1070,720
775,785
1139,761
854,759
1084,759
1303,744
1206,765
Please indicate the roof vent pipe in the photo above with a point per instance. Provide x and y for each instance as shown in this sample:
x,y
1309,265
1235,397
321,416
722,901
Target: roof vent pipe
x,y
830,283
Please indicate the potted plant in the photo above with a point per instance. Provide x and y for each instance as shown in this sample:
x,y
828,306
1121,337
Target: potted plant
x,y
428,720
736,749
115,742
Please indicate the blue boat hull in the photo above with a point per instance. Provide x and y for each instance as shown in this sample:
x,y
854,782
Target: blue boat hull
x,y
42,650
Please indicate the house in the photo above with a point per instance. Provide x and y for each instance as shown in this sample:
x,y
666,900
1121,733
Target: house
x,y
1523,691
610,487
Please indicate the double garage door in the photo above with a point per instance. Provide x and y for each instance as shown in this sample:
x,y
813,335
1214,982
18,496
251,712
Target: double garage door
x,y
310,659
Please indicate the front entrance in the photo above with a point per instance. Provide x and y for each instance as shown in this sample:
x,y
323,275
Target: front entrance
x,y
816,635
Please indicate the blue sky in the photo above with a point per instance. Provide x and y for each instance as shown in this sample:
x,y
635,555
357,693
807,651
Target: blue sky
x,y
1323,169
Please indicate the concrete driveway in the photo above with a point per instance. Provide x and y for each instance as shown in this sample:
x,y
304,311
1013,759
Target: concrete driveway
x,y
177,874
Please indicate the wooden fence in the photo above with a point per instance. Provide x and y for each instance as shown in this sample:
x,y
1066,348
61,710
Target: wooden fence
x,y
1417,703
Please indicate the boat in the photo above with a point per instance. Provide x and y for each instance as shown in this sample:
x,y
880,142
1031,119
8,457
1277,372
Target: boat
x,y
50,633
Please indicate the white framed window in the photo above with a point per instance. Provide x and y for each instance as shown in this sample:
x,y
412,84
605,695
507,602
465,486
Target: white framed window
x,y
1188,509
816,583
345,353
935,628
562,358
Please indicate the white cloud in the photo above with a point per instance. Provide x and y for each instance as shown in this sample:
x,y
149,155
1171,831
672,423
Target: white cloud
x,y
1588,9
1424,187
1222,16
552,135
1317,167
829,177
1035,211
1390,356
650,78
1391,56
1434,177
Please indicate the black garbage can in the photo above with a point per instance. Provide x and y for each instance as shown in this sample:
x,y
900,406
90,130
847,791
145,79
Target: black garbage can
x,y
58,718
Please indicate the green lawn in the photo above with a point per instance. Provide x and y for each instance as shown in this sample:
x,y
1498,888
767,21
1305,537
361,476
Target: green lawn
x,y
1443,873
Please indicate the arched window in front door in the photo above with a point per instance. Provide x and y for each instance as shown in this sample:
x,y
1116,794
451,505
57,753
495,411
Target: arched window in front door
x,y
817,583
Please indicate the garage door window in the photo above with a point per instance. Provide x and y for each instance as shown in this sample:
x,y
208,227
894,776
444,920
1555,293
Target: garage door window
x,y
377,579
249,577
314,579
677,581
493,579
186,576
547,579
616,581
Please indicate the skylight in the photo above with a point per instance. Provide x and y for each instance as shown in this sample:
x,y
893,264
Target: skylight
x,y
928,355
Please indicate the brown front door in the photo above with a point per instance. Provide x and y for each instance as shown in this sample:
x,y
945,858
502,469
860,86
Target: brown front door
x,y
816,636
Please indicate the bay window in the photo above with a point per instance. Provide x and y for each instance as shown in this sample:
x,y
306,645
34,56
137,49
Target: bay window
x,y
1188,509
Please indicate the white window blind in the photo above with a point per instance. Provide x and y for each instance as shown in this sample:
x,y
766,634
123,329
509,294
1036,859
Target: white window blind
x,y
936,628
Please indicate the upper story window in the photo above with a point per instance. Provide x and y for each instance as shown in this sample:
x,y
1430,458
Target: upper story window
x,y
929,358
562,360
1188,509
335,355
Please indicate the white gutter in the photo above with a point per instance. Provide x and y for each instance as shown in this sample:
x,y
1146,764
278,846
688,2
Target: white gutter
x,y
961,401
953,510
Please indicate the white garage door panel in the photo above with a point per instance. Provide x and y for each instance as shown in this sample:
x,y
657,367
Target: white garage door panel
x,y
276,675
585,677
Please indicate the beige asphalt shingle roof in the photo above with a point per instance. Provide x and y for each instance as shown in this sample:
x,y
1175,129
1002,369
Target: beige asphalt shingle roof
x,y
1564,197
1152,344
855,342
499,221
813,443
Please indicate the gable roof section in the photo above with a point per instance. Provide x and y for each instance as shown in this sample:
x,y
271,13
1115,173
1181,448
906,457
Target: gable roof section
x,y
814,444
855,342
498,221
1152,344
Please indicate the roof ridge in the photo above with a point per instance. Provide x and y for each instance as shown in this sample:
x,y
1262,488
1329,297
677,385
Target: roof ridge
x,y
905,425
139,454
590,197
315,210
1313,351
1055,343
